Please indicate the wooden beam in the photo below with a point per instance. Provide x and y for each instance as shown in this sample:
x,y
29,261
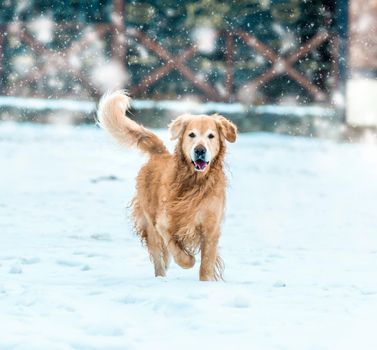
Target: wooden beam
x,y
334,43
118,32
282,65
34,44
229,64
257,45
305,83
160,72
2,53
163,54
308,46
341,24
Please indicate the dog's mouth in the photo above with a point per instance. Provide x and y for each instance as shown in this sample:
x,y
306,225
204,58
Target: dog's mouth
x,y
200,164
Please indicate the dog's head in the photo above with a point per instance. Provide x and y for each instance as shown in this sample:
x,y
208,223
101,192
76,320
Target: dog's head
x,y
202,137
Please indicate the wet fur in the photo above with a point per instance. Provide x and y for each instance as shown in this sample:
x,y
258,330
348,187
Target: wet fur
x,y
177,211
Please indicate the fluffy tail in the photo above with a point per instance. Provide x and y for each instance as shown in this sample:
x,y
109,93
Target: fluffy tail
x,y
111,115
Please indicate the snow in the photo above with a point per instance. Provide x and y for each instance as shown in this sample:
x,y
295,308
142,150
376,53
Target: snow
x,y
109,75
299,243
23,64
178,106
42,28
361,101
205,38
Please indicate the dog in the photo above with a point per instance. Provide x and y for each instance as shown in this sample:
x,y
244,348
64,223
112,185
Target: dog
x,y
180,197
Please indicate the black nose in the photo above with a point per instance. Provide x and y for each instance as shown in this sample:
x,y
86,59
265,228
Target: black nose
x,y
200,151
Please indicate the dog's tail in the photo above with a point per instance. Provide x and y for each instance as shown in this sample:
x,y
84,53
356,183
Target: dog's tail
x,y
111,115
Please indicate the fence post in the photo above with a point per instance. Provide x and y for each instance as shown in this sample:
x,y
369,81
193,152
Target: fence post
x,y
118,32
341,19
2,58
229,64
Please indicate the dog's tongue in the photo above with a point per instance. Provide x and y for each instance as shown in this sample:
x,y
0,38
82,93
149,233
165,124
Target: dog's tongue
x,y
200,164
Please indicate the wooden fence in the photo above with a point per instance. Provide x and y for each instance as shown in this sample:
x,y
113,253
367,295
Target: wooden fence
x,y
245,63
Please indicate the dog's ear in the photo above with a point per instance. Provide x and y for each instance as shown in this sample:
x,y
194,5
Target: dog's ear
x,y
177,126
227,128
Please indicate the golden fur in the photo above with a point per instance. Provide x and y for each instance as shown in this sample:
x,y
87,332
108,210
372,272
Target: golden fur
x,y
177,210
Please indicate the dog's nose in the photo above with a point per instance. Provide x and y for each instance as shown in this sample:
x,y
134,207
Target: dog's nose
x,y
200,151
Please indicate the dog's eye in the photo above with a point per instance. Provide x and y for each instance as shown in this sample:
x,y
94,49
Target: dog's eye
x,y
191,134
211,136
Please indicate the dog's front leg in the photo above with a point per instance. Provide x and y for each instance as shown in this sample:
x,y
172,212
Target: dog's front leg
x,y
210,260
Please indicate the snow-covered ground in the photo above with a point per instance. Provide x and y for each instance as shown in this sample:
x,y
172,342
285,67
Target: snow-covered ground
x,y
299,243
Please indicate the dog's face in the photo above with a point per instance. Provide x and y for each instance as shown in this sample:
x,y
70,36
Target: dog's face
x,y
201,137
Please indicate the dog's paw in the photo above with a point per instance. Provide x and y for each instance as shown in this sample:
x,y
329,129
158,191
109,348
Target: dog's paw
x,y
184,260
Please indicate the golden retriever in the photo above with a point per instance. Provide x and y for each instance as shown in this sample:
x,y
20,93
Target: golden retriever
x,y
180,197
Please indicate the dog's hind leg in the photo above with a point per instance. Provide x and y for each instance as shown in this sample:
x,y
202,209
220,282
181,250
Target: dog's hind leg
x,y
157,250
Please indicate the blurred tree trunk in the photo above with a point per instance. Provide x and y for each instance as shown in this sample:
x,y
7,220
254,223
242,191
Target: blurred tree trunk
x,y
362,86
